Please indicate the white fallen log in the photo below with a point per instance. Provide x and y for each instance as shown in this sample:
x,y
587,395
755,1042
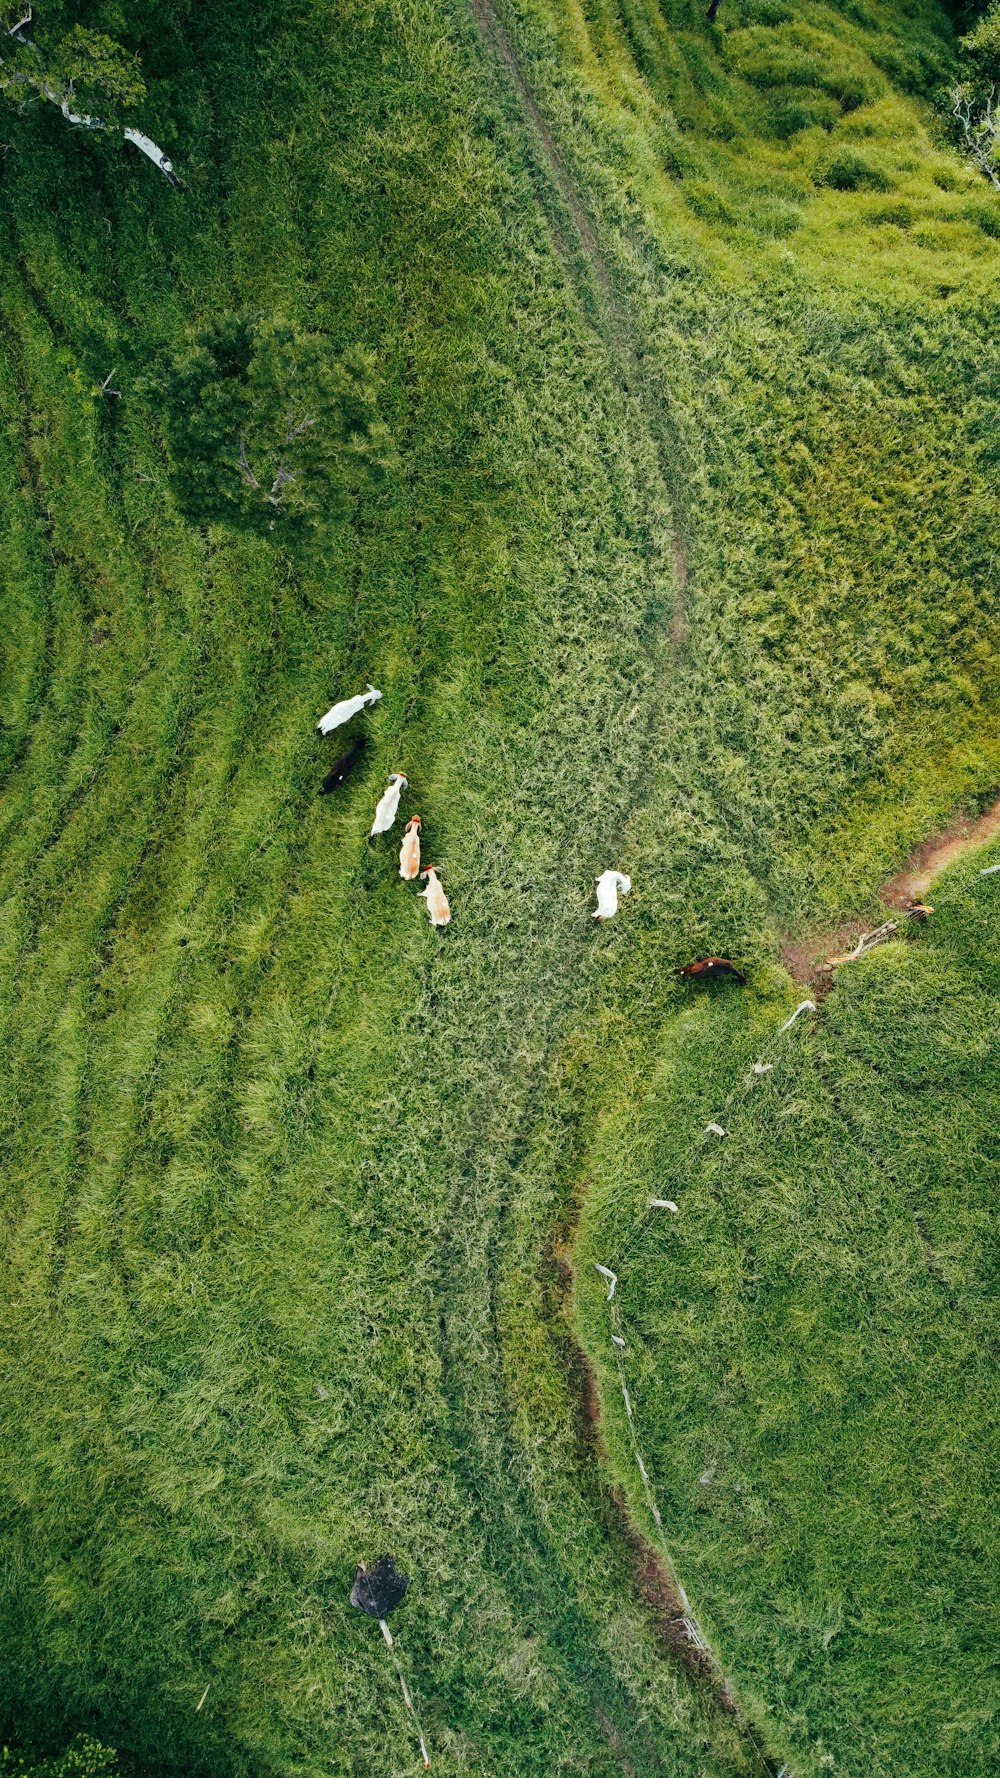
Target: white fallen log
x,y
803,1006
663,1204
714,1130
611,1277
348,707
610,885
149,148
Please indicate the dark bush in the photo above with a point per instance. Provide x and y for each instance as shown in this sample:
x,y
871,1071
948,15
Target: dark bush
x,y
849,170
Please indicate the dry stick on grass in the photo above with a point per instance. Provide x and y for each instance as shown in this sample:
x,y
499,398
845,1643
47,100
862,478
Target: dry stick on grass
x,y
378,1588
407,1694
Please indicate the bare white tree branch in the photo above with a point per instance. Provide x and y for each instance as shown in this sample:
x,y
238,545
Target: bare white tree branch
x,y
979,121
279,484
245,469
293,430
149,148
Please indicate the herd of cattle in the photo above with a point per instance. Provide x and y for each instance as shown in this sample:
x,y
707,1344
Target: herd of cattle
x,y
610,884
387,808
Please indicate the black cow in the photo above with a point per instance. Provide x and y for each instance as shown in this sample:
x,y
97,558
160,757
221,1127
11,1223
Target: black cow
x,y
341,767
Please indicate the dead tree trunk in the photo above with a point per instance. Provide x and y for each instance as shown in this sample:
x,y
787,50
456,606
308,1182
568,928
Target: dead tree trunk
x,y
82,121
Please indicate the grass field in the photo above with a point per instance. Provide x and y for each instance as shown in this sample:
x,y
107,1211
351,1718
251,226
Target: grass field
x,y
811,1340
687,566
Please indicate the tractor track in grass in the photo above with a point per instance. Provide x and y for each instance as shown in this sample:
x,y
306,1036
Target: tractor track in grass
x,y
608,313
487,1443
487,1454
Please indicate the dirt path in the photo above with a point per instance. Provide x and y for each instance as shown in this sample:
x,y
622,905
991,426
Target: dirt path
x,y
804,957
933,855
502,47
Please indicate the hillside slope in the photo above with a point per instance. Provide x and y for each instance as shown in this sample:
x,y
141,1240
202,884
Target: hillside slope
x,y
685,566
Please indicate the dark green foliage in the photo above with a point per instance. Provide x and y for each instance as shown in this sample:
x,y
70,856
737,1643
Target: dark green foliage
x,y
797,55
982,46
264,421
86,71
850,170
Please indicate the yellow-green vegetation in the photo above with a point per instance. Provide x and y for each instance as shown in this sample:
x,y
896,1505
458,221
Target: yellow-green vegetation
x,y
681,560
83,1758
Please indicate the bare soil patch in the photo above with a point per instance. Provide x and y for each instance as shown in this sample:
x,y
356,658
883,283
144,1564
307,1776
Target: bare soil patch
x,y
804,957
942,849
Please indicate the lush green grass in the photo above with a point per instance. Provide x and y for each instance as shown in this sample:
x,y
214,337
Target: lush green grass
x,y
281,1162
811,1342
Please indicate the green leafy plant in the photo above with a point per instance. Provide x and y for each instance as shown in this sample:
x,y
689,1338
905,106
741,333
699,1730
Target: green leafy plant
x,y
266,421
982,45
850,170
83,1758
82,72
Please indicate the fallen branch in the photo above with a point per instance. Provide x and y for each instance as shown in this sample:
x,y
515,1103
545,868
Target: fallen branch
x,y
866,943
146,146
82,120
611,1277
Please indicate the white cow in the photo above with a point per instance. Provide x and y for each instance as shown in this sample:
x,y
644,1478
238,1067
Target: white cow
x,y
438,911
347,708
409,851
388,803
609,885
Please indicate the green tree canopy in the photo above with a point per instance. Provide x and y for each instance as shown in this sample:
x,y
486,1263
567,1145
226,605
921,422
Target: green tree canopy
x,y
974,101
982,45
265,421
83,72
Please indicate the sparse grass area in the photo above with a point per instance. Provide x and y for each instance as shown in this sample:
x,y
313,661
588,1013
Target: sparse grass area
x,y
281,1162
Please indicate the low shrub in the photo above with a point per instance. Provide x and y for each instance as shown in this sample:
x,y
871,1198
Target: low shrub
x,y
898,213
83,1758
850,170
